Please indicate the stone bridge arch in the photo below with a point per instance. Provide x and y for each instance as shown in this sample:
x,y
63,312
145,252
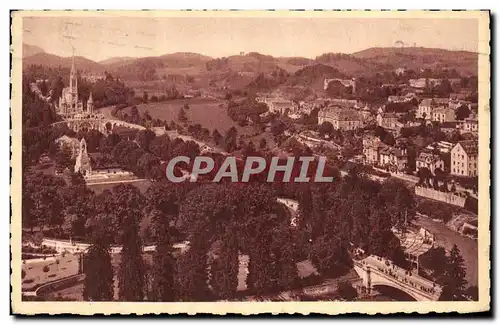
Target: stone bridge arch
x,y
392,291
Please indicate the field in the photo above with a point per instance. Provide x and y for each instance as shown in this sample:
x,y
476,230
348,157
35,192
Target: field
x,y
210,113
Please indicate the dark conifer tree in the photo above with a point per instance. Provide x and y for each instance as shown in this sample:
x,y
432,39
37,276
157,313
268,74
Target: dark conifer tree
x,y
98,283
224,269
192,275
131,273
163,259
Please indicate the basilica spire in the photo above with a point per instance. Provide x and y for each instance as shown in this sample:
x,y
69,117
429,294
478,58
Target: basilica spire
x,y
73,82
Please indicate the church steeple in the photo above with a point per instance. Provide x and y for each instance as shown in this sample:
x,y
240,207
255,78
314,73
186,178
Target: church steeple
x,y
73,82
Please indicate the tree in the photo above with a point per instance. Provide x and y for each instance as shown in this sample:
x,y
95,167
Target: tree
x,y
224,269
424,175
182,117
192,273
435,260
399,202
63,158
146,165
346,291
462,113
128,206
144,138
145,97
230,139
454,283
330,256
98,283
262,144
217,137
326,128
389,139
163,259
472,293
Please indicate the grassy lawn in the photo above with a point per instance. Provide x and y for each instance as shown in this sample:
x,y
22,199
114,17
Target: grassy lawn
x,y
68,265
99,188
210,113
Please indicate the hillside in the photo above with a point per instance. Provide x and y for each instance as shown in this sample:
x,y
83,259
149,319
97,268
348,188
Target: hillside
x,y
419,58
51,60
252,63
29,50
194,67
155,67
314,76
116,60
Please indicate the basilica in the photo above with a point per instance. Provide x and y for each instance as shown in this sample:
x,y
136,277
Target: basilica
x,y
69,106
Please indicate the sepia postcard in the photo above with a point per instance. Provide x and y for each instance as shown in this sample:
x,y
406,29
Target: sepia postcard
x,y
247,162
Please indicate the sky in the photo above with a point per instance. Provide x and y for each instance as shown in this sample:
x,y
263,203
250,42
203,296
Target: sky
x,y
100,38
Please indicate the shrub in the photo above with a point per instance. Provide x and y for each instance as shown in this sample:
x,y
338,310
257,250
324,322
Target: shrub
x,y
46,269
28,281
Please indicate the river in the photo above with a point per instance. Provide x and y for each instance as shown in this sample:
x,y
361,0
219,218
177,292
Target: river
x,y
446,238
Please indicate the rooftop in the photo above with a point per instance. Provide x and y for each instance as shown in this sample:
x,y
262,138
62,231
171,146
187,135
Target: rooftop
x,y
469,146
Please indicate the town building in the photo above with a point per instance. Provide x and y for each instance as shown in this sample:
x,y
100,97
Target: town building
x,y
371,146
387,120
424,109
464,158
401,99
400,71
441,146
344,103
341,119
470,125
459,96
424,82
93,77
393,159
430,161
441,101
449,127
443,114
281,106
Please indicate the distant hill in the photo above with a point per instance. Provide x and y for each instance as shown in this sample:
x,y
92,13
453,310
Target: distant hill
x,y
173,60
314,75
419,58
51,60
250,65
118,59
155,67
29,50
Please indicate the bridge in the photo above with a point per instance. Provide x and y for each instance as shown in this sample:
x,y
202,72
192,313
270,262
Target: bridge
x,y
103,125
376,271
